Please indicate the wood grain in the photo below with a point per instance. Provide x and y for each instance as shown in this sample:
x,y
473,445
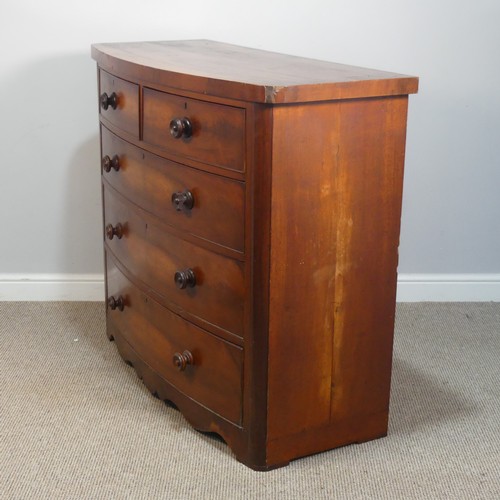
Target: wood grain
x,y
302,273
154,255
155,333
331,334
369,187
225,70
149,181
126,115
218,131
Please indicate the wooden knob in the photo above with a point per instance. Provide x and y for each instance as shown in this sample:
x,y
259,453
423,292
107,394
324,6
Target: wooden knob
x,y
111,163
184,279
109,100
183,360
183,200
114,231
181,127
118,303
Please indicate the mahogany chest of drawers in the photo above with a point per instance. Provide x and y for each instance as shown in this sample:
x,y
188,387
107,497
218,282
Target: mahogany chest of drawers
x,y
251,223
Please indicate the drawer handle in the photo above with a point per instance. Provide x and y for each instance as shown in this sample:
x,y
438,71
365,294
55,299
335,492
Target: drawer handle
x,y
181,127
118,303
184,279
114,231
183,200
109,100
182,360
111,163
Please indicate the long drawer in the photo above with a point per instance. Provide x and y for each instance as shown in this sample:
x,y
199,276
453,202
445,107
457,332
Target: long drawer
x,y
201,365
198,281
206,205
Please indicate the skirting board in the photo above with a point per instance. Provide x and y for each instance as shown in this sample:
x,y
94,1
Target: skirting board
x,y
48,287
411,287
448,288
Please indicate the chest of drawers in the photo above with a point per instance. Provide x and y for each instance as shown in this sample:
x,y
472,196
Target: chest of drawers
x,y
251,223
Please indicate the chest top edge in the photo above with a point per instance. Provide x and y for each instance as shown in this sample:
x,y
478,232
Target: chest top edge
x,y
231,71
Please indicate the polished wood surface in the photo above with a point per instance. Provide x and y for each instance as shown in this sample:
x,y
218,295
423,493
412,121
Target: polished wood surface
x,y
154,255
150,181
217,134
302,274
251,226
213,375
126,113
242,73
341,372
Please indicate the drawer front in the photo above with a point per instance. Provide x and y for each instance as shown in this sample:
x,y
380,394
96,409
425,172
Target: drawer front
x,y
213,374
217,203
217,131
158,258
119,102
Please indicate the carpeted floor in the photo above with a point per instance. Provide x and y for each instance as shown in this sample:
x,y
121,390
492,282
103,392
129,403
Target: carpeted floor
x,y
76,423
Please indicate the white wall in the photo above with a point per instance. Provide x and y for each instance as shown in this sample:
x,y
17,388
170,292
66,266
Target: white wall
x,y
49,157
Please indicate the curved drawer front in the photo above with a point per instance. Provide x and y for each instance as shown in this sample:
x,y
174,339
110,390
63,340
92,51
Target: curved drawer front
x,y
214,210
211,375
154,255
216,135
119,102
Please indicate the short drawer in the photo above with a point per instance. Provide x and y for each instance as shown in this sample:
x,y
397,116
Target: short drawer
x,y
196,281
208,132
119,102
199,364
206,205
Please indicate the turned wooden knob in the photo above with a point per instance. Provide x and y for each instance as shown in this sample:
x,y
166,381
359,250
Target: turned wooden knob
x,y
182,360
183,200
181,127
118,303
114,231
184,279
109,100
111,163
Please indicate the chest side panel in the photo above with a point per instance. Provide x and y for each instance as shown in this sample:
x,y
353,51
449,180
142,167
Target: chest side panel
x,y
336,207
302,271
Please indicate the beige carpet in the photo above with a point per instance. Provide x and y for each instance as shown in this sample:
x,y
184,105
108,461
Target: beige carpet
x,y
76,423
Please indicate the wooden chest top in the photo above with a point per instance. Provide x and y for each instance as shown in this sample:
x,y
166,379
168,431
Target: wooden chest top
x,y
230,71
